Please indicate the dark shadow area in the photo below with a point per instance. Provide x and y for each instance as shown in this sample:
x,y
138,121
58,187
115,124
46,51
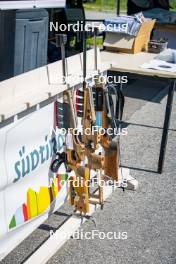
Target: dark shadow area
x,y
46,228
142,87
139,90
61,214
139,169
125,124
42,227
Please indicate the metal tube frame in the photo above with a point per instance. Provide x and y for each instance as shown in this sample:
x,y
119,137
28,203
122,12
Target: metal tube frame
x,y
167,119
168,112
118,7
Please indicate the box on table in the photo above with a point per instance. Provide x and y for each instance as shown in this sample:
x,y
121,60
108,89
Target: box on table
x,y
130,44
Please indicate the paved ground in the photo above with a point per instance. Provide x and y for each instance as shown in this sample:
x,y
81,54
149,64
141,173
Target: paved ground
x,y
148,215
100,15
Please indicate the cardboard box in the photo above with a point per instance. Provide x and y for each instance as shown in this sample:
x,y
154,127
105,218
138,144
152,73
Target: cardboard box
x,y
130,44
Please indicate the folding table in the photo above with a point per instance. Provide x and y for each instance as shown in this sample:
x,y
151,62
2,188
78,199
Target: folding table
x,y
129,64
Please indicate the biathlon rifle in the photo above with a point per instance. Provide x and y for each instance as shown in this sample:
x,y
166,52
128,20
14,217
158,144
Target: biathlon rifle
x,y
103,107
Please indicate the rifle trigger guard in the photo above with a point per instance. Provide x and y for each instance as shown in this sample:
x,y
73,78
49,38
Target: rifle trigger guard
x,y
61,158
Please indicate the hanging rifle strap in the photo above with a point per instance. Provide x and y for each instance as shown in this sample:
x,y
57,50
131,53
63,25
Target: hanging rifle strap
x,y
115,104
61,40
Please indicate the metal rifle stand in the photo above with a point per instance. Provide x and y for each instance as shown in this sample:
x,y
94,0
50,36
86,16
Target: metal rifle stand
x,y
95,48
84,58
61,40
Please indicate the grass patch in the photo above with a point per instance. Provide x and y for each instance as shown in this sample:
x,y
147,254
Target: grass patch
x,y
90,42
104,5
173,4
